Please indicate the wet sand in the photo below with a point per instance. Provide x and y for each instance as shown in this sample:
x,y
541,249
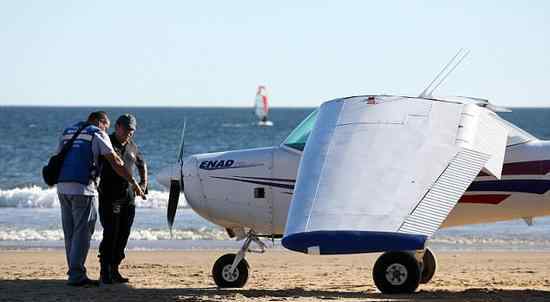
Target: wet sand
x,y
277,275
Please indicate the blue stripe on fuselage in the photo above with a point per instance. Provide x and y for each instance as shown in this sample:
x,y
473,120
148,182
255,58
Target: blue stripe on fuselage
x,y
536,186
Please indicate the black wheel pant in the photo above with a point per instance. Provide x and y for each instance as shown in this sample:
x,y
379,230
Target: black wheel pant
x,y
117,219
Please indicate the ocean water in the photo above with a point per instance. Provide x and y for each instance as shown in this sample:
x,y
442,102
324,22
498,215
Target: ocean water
x,y
30,214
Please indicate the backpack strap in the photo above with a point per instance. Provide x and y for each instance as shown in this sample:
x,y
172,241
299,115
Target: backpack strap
x,y
69,144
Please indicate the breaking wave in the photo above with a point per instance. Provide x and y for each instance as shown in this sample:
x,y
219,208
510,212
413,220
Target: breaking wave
x,y
490,241
37,197
32,234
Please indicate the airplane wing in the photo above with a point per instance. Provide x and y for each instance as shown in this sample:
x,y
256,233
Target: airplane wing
x,y
381,174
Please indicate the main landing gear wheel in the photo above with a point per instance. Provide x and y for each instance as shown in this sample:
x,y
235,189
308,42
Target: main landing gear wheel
x,y
429,265
396,273
223,276
231,270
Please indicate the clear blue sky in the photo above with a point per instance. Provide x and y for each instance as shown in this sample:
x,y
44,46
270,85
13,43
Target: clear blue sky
x,y
215,53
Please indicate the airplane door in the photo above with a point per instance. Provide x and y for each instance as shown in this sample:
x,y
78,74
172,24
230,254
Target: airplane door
x,y
285,168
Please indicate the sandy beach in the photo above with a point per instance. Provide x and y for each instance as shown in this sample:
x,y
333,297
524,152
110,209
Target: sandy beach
x,y
277,275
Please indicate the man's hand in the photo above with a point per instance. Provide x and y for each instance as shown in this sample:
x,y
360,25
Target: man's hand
x,y
143,186
118,165
137,189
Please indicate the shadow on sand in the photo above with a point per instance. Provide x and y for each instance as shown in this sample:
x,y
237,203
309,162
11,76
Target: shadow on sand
x,y
57,290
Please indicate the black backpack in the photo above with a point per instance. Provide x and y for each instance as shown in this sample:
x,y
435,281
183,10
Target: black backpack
x,y
51,171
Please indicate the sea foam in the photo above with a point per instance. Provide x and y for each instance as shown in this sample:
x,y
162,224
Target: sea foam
x,y
33,234
37,197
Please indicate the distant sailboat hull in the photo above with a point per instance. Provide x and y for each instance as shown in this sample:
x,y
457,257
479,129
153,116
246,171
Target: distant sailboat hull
x,y
265,123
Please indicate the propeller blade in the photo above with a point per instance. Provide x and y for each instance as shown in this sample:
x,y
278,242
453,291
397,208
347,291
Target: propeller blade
x,y
182,141
173,199
176,185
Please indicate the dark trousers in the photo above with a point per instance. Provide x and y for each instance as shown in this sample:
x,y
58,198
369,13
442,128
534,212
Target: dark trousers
x,y
117,220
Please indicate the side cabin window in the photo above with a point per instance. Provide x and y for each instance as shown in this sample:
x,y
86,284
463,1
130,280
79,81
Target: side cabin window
x,y
298,137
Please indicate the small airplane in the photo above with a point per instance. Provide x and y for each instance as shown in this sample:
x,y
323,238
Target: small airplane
x,y
261,107
370,173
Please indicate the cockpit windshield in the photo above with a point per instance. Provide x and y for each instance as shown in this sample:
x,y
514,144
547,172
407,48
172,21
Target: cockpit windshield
x,y
298,137
516,135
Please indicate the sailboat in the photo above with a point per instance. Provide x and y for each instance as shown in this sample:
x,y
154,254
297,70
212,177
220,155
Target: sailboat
x,y
261,107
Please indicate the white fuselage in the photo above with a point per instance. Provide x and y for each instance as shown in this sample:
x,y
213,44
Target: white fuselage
x,y
253,188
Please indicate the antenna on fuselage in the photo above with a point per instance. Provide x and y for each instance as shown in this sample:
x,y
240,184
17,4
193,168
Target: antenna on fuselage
x,y
444,73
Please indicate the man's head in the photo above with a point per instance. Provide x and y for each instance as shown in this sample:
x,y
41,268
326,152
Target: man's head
x,y
99,119
125,127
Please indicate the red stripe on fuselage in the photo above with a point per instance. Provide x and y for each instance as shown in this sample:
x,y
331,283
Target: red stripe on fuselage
x,y
485,199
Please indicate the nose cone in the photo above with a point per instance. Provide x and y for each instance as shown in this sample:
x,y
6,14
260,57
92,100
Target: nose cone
x,y
168,173
191,188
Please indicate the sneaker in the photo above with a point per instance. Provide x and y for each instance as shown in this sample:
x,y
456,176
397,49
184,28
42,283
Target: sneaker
x,y
116,276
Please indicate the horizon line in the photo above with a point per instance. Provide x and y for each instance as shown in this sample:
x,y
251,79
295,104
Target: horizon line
x,y
149,106
193,106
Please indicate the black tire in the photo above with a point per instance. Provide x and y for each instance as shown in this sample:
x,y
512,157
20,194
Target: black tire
x,y
429,265
222,277
396,273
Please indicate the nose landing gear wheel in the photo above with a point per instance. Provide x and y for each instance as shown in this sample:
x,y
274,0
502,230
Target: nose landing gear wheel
x,y
396,273
224,278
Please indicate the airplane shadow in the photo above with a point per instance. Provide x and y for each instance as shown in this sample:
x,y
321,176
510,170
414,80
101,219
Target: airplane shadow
x,y
57,290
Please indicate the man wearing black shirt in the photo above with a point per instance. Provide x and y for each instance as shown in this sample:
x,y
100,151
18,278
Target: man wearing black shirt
x,y
117,200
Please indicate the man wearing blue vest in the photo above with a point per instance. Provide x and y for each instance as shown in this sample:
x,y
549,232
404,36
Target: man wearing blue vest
x,y
77,189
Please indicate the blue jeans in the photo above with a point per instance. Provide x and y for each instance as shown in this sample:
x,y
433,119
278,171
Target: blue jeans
x,y
78,216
